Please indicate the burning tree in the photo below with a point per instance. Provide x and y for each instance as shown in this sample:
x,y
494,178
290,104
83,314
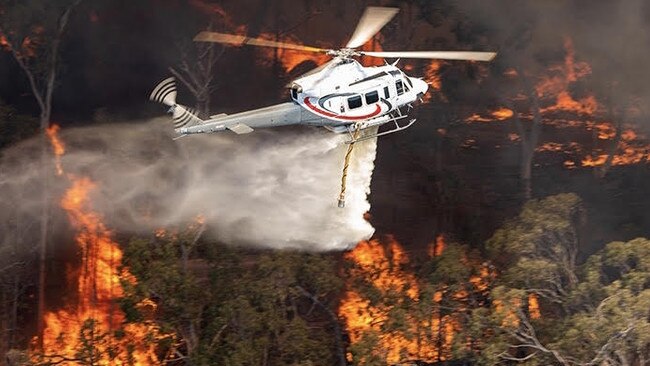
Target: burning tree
x,y
90,328
395,316
32,32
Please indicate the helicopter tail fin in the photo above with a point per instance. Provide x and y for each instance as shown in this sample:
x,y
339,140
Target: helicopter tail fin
x,y
182,116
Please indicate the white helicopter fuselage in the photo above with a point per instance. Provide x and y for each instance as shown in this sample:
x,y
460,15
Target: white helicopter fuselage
x,y
345,92
342,95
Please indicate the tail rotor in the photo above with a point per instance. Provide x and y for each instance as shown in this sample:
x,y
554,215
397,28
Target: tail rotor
x,y
165,93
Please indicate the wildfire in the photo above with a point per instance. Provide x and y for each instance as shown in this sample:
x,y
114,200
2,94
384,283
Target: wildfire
x,y
57,146
432,75
425,337
629,149
565,102
433,78
557,85
90,326
361,316
435,249
288,58
499,114
507,311
561,110
533,307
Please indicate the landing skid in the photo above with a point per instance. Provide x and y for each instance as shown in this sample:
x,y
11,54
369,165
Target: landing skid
x,y
397,128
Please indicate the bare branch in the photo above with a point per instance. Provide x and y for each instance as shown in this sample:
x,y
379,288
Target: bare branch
x,y
185,82
335,323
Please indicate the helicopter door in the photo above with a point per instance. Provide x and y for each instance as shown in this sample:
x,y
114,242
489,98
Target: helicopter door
x,y
335,105
401,90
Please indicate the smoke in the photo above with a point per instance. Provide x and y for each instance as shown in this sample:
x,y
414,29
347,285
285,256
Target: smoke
x,y
612,36
272,188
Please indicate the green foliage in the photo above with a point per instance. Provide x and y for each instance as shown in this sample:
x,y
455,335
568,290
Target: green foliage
x,y
266,317
538,249
614,326
231,307
602,317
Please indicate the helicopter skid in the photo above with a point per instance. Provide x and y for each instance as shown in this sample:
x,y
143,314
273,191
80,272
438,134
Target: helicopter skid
x,y
396,128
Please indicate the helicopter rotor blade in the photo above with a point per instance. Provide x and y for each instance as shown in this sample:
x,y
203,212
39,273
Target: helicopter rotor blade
x,y
317,69
440,55
314,71
238,40
373,19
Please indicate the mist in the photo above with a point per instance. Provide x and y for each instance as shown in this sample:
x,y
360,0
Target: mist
x,y
275,188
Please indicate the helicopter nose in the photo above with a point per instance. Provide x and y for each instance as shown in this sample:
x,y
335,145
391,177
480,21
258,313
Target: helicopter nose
x,y
420,86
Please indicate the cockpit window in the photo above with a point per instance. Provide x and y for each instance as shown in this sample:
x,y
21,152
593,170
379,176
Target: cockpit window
x,y
294,93
400,87
354,102
408,81
372,97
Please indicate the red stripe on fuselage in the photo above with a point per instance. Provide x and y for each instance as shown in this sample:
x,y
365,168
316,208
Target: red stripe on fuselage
x,y
338,116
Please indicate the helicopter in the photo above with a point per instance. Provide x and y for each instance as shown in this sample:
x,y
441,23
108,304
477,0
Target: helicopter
x,y
340,95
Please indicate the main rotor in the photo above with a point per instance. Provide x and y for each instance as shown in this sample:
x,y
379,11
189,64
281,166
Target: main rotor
x,y
371,22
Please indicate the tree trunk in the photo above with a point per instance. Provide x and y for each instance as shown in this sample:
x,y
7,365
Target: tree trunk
x,y
602,172
43,230
44,99
338,339
529,138
525,169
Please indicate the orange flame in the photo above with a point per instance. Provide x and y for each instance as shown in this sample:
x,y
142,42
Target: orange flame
x,y
427,338
507,310
435,249
533,307
361,316
4,43
565,102
433,78
57,145
631,148
432,75
98,287
499,114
